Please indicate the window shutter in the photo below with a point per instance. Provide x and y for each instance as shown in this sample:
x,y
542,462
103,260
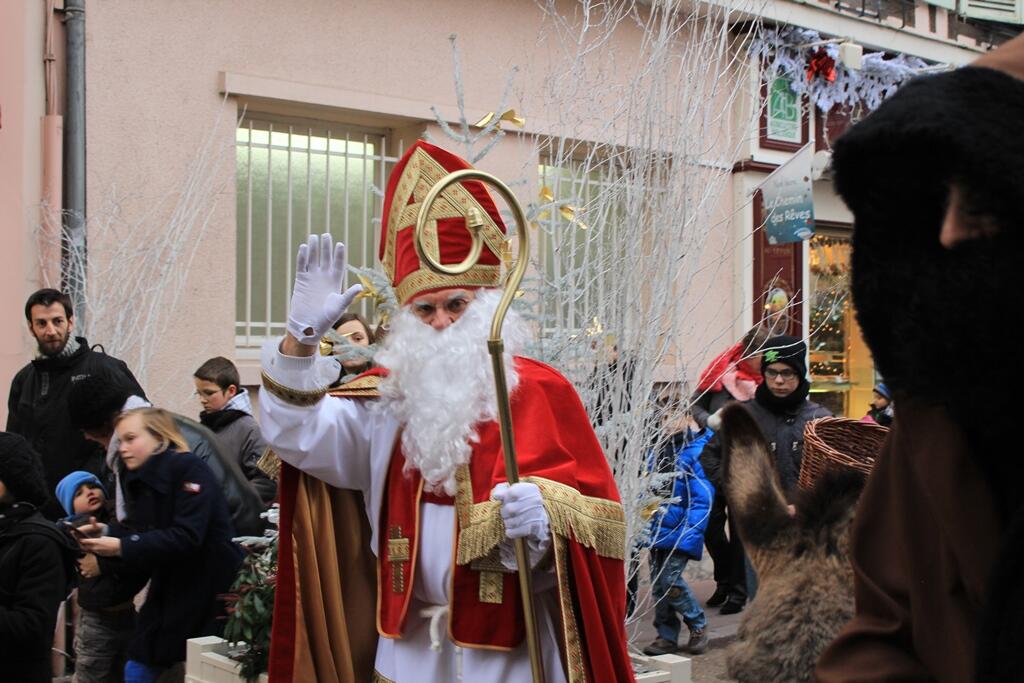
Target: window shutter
x,y
1006,11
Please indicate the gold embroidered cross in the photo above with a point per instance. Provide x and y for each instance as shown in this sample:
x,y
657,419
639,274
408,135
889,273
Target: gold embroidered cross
x,y
398,555
492,582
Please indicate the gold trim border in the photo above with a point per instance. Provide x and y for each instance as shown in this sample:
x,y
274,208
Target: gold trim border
x,y
270,464
492,588
368,386
595,523
576,670
295,397
424,279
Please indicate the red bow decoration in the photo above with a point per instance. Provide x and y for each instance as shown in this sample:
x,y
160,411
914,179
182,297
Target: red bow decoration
x,y
821,63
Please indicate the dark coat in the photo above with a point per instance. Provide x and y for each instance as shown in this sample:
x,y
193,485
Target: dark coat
x,y
181,535
704,404
243,501
116,585
784,431
239,435
38,410
244,504
36,567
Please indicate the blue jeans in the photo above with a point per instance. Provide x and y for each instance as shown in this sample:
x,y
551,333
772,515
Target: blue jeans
x,y
137,672
673,596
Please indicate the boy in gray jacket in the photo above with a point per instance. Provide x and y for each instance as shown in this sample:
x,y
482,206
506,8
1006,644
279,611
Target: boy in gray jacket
x,y
227,412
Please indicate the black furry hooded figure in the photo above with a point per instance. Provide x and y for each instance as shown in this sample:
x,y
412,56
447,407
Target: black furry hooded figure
x,y
936,318
935,180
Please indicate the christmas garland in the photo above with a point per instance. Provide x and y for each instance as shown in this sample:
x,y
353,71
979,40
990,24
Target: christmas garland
x,y
817,72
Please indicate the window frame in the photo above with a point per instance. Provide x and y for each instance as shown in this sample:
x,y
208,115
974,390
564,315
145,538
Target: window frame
x,y
251,329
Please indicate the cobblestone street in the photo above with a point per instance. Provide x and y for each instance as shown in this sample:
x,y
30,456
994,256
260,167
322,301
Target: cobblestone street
x,y
710,667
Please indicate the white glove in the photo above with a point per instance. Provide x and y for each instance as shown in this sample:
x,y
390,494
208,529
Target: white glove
x,y
522,509
316,301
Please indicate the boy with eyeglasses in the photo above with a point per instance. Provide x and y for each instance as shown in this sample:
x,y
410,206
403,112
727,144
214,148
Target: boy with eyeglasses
x,y
781,409
227,412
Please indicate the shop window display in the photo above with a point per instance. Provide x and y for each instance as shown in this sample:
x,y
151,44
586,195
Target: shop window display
x,y
842,372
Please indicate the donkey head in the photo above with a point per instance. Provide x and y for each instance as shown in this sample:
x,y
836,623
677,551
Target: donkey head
x,y
800,555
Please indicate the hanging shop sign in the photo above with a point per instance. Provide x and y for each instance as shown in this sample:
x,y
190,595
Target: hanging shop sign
x,y
788,198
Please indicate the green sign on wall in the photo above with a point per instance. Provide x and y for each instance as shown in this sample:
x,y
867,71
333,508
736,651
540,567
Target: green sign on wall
x,y
783,116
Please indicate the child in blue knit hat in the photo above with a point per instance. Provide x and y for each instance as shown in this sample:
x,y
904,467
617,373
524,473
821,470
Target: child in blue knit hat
x,y
106,588
82,493
881,409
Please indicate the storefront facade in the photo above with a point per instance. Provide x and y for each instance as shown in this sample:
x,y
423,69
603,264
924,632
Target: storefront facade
x,y
803,287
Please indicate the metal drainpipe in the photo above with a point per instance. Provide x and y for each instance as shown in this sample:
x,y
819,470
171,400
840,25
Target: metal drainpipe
x,y
74,247
53,164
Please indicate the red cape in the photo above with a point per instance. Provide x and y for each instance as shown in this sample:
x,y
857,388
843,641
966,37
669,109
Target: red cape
x,y
557,449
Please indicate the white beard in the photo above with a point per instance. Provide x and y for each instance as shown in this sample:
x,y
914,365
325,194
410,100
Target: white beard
x,y
440,385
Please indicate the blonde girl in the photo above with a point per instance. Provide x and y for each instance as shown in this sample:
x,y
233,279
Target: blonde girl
x,y
179,530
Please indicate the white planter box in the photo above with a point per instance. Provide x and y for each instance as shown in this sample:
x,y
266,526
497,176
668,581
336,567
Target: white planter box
x,y
206,661
662,669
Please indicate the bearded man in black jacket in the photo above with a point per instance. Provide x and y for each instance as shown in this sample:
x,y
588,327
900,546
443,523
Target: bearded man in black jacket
x,y
38,402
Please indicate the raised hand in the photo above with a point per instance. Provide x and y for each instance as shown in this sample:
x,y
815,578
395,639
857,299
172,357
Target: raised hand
x,y
317,303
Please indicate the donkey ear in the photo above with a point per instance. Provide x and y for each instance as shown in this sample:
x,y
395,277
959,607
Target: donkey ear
x,y
751,484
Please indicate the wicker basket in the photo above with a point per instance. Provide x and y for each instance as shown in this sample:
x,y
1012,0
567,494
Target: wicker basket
x,y
839,442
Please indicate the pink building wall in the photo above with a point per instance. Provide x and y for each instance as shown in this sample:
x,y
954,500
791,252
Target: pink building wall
x,y
154,77
21,174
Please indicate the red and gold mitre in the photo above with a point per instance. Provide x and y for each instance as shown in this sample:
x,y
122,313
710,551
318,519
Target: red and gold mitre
x,y
446,237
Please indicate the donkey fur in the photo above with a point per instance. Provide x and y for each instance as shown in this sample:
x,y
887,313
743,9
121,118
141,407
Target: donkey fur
x,y
805,580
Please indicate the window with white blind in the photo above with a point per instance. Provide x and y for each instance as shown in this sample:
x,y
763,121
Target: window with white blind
x,y
569,255
296,178
1006,11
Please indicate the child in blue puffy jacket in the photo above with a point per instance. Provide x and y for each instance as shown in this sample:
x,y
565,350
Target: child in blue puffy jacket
x,y
676,536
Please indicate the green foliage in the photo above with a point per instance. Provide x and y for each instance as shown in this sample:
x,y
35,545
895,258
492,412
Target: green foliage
x,y
250,607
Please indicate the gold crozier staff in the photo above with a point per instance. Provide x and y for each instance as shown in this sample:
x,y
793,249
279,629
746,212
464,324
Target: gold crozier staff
x,y
496,347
